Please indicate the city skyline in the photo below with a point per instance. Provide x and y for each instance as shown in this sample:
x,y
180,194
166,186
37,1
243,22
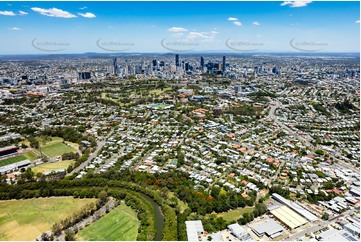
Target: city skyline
x,y
242,27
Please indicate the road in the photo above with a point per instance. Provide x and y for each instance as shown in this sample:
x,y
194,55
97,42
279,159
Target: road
x,y
272,110
345,166
278,170
271,115
147,154
93,155
319,225
141,159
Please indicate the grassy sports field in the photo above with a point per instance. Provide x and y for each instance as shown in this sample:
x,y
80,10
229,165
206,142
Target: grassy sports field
x,y
51,166
234,215
30,155
11,160
27,155
119,224
56,148
26,219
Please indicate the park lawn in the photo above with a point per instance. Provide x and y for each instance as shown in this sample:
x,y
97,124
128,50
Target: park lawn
x,y
25,142
52,166
11,160
73,145
159,91
103,96
181,205
56,148
53,140
234,215
27,219
30,155
121,223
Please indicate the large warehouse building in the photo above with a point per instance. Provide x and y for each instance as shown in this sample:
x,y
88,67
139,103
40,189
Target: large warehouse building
x,y
288,217
269,228
295,207
194,230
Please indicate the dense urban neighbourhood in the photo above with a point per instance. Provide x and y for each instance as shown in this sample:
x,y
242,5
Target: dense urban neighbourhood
x,y
216,147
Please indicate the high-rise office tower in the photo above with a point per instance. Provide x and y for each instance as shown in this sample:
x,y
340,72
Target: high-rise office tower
x,y
154,65
210,67
126,70
202,63
276,71
85,75
186,66
224,65
177,60
115,66
142,67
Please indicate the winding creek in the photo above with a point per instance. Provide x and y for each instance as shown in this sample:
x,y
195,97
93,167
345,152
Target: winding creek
x,y
159,218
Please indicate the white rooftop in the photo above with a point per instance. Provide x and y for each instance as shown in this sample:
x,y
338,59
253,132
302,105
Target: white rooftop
x,y
194,229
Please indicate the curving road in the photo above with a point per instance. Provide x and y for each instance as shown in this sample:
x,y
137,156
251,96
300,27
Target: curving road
x,y
271,115
93,155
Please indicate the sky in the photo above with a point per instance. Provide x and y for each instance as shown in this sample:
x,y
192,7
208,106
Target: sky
x,y
106,27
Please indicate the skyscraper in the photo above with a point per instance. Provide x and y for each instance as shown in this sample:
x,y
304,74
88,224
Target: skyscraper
x,y
177,59
186,66
154,65
276,71
202,62
84,75
224,65
142,67
115,66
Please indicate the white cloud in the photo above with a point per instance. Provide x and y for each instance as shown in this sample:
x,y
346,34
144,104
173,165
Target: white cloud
x,y
87,15
14,28
357,21
177,35
237,23
177,29
205,36
54,12
296,3
232,19
256,23
7,13
83,8
22,12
